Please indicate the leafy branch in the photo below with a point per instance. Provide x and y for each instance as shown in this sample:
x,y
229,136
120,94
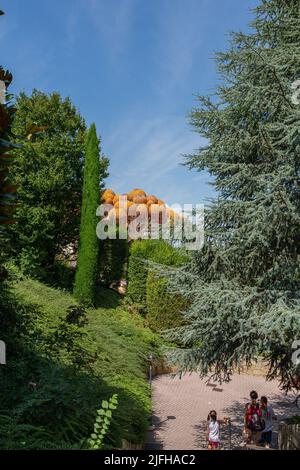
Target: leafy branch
x,y
102,422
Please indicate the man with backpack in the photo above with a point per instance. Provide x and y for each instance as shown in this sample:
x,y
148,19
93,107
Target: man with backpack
x,y
253,423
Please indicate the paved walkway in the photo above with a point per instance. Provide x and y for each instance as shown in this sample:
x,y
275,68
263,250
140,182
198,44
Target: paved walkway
x,y
181,406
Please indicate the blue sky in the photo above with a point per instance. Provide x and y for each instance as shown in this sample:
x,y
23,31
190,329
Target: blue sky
x,y
131,66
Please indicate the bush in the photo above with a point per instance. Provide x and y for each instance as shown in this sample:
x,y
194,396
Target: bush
x,y
140,251
163,308
146,291
113,257
62,275
76,358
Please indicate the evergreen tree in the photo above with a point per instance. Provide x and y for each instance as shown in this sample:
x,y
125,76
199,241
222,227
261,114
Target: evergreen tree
x,y
87,264
244,285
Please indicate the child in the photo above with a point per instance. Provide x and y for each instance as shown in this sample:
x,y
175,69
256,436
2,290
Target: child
x,y
213,430
268,417
253,424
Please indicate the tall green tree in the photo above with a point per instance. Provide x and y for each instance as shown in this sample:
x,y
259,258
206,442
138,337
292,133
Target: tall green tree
x,y
244,286
87,264
48,174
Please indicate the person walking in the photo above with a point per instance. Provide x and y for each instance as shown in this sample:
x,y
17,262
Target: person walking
x,y
213,430
253,424
268,417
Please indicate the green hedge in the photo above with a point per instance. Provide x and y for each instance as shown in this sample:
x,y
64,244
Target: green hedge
x,y
163,308
149,293
140,251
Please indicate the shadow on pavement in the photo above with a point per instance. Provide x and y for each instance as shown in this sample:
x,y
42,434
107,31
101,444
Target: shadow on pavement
x,y
152,440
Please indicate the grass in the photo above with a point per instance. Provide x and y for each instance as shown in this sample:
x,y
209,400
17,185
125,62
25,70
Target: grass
x,y
79,367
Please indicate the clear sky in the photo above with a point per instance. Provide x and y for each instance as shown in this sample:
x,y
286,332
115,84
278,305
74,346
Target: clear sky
x,y
134,68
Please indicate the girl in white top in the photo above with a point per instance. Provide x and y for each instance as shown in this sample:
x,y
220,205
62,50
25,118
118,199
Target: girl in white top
x,y
213,430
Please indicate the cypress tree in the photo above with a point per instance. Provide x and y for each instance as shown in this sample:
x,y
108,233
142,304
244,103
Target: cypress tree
x,y
87,264
243,287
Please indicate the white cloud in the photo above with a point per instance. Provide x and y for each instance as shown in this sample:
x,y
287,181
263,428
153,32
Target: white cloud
x,y
179,40
148,153
112,20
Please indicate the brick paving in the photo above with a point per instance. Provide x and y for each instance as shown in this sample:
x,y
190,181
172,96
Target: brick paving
x,y
181,406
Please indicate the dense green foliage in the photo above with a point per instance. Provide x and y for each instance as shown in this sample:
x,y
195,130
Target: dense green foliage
x,y
48,174
87,264
63,361
244,286
147,289
112,260
140,251
164,309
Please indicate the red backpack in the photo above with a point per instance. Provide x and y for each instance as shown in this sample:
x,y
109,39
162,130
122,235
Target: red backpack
x,y
254,418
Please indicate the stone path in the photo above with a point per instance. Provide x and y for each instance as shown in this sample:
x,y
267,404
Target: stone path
x,y
181,406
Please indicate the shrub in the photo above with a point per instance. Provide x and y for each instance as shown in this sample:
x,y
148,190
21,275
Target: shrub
x,y
140,251
63,361
163,308
113,257
146,291
63,275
